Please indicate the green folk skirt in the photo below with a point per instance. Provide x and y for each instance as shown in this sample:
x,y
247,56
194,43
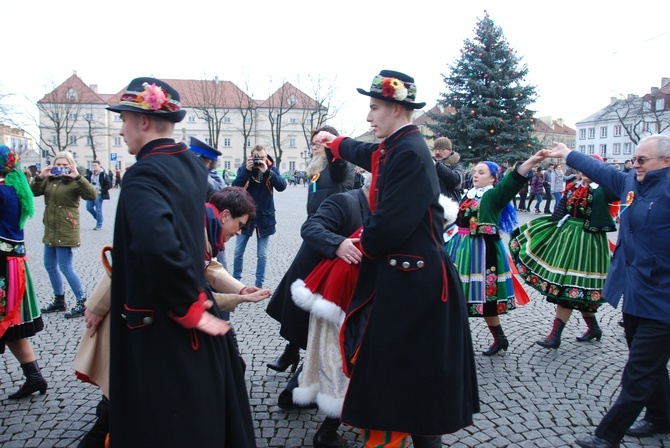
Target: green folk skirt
x,y
566,264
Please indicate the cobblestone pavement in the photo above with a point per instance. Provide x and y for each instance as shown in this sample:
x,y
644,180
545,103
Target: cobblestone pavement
x,y
530,396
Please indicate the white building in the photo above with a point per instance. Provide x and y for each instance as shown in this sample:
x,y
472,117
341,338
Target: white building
x,y
73,117
614,131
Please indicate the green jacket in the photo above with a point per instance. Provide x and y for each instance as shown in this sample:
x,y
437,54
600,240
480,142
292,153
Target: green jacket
x,y
61,212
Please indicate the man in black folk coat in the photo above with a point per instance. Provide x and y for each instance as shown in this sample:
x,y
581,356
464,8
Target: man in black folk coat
x,y
176,378
406,338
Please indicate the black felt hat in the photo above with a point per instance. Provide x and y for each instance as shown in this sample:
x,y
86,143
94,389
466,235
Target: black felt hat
x,y
201,148
151,96
395,87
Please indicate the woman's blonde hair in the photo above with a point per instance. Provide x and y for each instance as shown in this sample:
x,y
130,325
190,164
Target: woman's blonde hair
x,y
67,155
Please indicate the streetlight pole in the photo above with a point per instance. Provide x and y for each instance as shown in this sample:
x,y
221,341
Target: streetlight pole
x,y
306,156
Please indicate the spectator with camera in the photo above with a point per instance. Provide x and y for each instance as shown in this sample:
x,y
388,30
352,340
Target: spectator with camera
x,y
62,187
260,177
102,183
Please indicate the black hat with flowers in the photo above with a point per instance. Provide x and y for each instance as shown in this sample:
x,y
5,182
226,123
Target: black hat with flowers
x,y
151,96
395,87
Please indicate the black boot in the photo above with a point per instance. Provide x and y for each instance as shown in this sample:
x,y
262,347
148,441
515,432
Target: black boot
x,y
290,357
499,341
95,438
327,436
285,399
427,442
34,381
58,304
554,338
78,309
593,332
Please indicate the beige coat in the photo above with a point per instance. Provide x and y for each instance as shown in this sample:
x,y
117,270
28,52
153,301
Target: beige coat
x,y
91,362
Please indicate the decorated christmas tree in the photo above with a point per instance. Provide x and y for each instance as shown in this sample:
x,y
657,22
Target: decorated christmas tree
x,y
487,90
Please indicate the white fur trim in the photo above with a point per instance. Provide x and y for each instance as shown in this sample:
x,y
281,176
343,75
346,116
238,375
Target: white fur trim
x,y
450,208
304,396
302,296
330,406
327,311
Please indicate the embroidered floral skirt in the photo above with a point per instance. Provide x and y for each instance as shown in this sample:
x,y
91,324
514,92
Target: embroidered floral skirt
x,y
485,274
19,310
566,264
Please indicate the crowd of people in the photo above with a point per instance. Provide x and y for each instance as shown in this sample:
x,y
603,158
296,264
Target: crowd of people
x,y
373,237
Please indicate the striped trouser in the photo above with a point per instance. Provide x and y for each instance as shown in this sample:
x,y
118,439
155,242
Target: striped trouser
x,y
384,439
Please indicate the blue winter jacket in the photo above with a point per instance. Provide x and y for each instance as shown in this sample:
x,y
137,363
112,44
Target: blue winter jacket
x,y
640,268
262,192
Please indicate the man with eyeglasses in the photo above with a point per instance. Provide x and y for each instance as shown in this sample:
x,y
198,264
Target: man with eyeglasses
x,y
450,173
260,177
640,271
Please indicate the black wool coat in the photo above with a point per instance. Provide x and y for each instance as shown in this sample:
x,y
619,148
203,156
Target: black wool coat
x,y
336,219
406,337
170,385
336,177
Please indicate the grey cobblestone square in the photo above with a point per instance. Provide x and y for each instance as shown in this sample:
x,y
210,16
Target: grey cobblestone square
x,y
530,396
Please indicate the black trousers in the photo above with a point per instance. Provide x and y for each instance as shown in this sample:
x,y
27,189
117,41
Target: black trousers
x,y
645,380
547,192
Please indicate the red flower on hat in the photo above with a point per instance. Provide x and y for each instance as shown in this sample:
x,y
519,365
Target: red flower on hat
x,y
394,88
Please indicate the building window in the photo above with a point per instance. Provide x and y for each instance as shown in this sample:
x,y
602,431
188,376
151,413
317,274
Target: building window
x,y
248,143
603,132
291,143
291,166
247,120
89,140
627,148
191,118
88,117
54,140
592,149
308,121
646,106
292,100
603,150
71,95
617,130
582,134
645,126
72,116
660,104
582,148
226,165
227,142
116,117
117,141
73,140
592,133
616,149
293,120
208,141
227,120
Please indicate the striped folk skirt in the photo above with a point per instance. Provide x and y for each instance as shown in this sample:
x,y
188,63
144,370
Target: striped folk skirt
x,y
566,264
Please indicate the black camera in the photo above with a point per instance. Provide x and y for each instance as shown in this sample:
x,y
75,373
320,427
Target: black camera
x,y
258,160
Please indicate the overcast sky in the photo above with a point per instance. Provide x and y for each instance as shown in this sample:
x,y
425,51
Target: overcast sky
x,y
579,53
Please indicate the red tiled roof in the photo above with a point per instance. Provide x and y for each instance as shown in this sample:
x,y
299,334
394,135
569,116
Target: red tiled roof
x,y
85,94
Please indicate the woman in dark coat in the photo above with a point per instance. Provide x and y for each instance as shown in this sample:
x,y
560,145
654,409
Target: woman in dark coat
x,y
326,177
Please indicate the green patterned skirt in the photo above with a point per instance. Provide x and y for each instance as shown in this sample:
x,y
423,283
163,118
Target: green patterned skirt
x,y
566,264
